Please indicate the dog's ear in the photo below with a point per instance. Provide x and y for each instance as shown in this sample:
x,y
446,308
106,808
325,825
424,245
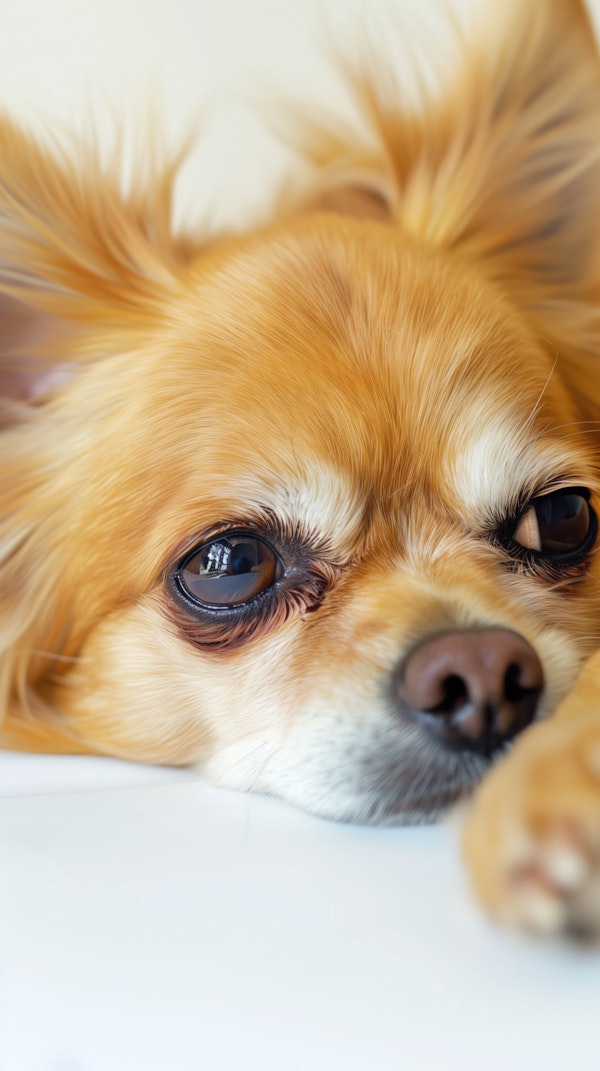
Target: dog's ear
x,y
507,167
502,166
78,256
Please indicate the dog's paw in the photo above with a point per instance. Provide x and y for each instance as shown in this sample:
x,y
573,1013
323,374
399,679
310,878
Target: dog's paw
x,y
532,839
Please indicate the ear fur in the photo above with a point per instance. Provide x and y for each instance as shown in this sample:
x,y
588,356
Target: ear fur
x,y
69,232
78,256
504,168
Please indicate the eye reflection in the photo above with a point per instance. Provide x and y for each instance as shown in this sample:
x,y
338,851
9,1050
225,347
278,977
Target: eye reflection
x,y
558,523
229,570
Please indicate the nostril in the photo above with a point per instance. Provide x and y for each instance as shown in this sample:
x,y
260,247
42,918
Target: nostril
x,y
515,687
455,695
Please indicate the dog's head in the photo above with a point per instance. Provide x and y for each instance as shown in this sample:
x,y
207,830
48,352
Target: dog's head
x,y
313,506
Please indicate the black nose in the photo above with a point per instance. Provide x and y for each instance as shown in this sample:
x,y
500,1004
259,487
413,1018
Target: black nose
x,y
473,689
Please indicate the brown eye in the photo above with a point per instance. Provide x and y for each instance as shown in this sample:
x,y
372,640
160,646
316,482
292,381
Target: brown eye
x,y
557,524
229,570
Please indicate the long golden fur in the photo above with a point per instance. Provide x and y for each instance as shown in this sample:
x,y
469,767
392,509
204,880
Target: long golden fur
x,y
368,389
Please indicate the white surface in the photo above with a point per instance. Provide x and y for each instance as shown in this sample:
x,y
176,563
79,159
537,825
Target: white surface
x,y
146,920
39,775
179,926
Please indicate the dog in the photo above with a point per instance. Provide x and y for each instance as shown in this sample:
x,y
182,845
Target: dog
x,y
312,506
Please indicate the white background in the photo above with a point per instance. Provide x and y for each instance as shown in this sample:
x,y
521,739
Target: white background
x,y
148,921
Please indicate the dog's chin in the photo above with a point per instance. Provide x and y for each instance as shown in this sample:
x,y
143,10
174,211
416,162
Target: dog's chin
x,y
395,806
392,779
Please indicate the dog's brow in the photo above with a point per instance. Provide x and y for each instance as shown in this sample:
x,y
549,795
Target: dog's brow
x,y
490,474
327,503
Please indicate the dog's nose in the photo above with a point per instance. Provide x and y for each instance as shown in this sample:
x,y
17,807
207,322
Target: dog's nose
x,y
474,689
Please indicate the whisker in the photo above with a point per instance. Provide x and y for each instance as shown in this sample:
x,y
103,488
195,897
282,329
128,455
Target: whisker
x,y
584,431
538,403
575,424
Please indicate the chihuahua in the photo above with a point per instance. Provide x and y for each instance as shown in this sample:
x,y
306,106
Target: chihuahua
x,y
312,506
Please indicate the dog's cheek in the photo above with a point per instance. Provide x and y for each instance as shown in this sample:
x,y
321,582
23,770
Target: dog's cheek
x,y
137,693
140,691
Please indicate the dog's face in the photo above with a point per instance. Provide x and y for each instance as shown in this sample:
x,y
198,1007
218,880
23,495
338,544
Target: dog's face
x,y
291,520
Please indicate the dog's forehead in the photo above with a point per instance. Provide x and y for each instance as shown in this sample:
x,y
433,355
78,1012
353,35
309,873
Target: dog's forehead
x,y
338,318
336,361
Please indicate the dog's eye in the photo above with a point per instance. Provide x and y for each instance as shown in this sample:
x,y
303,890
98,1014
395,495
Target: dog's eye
x,y
229,570
237,587
557,524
